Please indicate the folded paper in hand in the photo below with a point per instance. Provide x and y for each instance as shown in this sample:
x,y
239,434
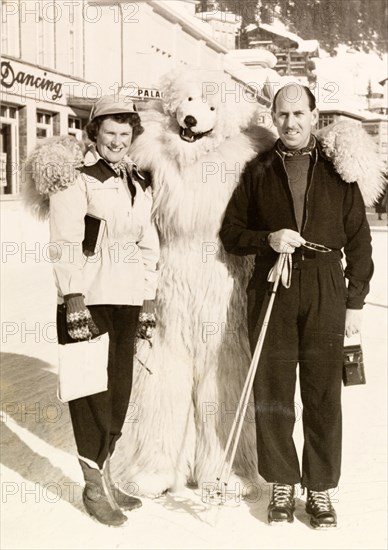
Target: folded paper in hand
x,y
83,368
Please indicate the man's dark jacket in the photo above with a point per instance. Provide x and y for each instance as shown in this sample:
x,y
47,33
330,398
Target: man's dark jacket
x,y
334,216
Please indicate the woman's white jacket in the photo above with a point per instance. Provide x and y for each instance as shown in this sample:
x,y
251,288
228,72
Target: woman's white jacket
x,y
123,269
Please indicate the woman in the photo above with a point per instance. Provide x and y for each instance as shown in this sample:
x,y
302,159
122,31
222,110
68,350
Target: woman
x,y
103,289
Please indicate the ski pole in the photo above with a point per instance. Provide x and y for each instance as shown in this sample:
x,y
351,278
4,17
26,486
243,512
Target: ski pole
x,y
275,275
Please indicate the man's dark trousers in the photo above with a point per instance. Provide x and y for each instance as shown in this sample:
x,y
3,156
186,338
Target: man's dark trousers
x,y
306,326
98,419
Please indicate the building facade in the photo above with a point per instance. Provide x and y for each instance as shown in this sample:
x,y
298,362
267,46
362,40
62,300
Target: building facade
x,y
378,128
59,56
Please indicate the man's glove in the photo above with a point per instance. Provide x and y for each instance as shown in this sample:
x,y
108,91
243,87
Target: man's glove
x,y
80,324
285,240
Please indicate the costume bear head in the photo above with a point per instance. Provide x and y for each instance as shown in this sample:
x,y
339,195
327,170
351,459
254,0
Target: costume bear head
x,y
203,108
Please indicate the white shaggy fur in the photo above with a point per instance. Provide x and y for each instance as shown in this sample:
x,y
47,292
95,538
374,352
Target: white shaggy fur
x,y
200,353
355,157
51,166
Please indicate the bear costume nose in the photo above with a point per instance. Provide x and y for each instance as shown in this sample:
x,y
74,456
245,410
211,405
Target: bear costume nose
x,y
190,121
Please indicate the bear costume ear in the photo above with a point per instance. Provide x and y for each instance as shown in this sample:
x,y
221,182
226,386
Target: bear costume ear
x,y
52,166
355,157
170,86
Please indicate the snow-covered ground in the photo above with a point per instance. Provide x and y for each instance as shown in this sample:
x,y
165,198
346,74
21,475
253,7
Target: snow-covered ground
x,y
40,478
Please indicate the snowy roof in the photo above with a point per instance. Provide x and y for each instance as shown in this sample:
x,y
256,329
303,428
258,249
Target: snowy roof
x,y
348,113
309,46
370,116
219,15
279,29
177,12
273,30
253,56
360,114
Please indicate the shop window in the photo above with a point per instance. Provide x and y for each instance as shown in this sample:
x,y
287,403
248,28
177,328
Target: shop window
x,y
9,150
75,127
44,125
8,111
75,123
325,120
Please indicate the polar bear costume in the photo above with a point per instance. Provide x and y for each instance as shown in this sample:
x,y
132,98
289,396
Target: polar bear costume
x,y
183,402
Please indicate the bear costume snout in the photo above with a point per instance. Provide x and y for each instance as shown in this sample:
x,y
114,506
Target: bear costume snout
x,y
196,118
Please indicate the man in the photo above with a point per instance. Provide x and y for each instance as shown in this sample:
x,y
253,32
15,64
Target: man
x,y
289,197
